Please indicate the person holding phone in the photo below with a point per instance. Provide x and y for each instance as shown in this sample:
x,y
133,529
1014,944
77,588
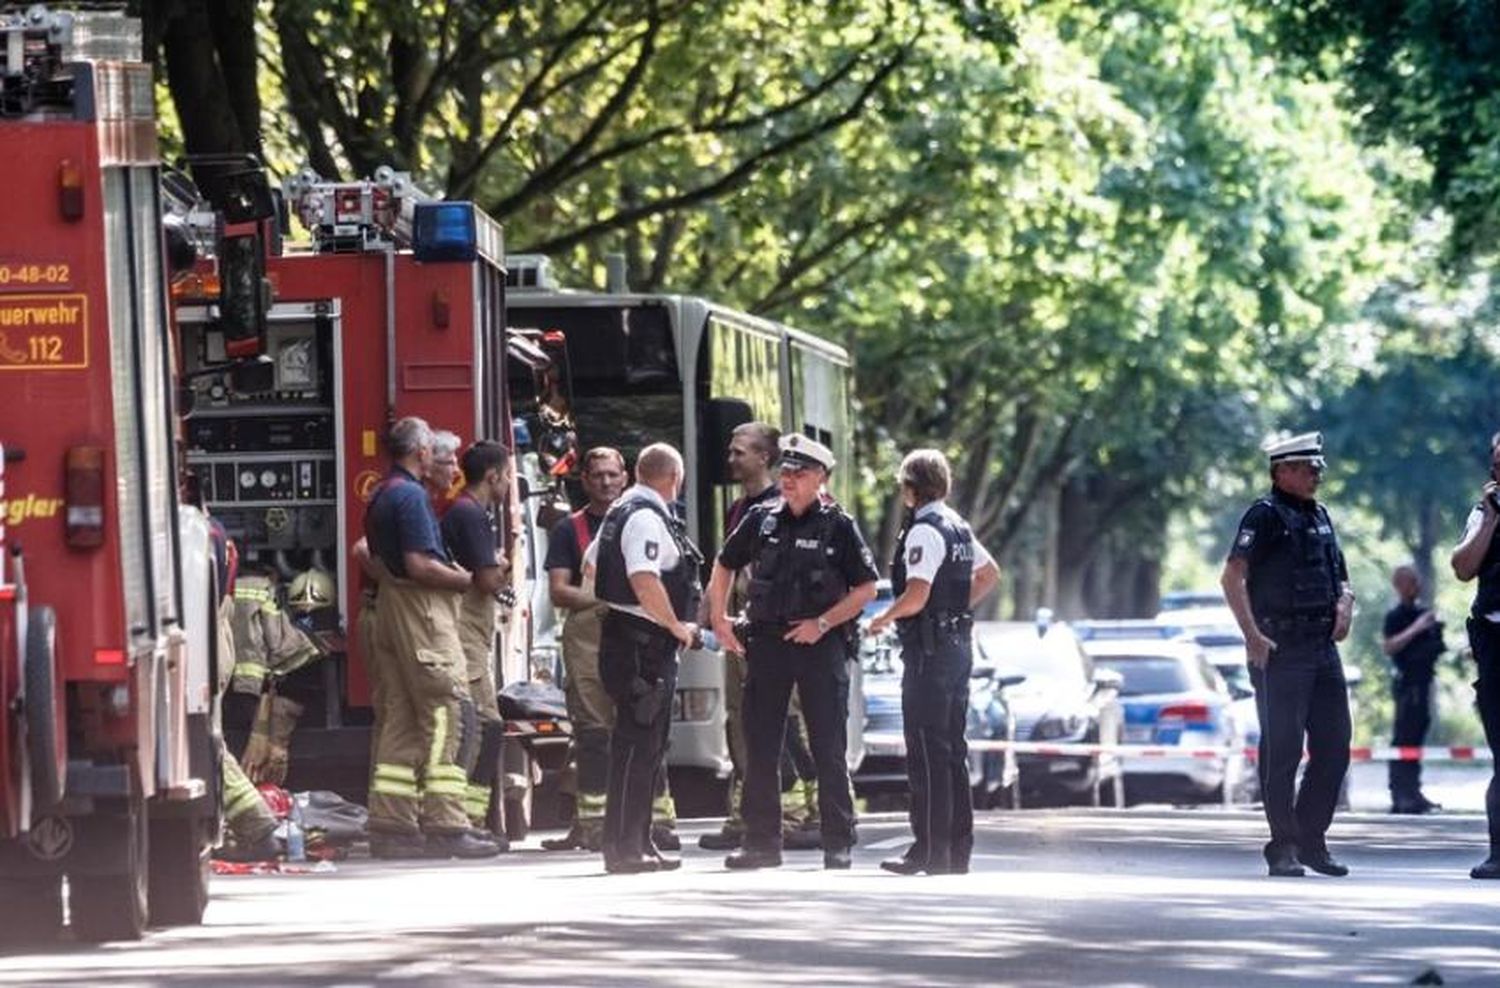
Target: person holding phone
x,y
1478,555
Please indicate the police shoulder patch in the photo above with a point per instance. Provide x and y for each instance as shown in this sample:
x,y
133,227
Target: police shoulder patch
x,y
652,550
914,555
1246,538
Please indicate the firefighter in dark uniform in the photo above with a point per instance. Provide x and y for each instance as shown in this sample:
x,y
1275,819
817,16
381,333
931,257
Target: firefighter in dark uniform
x,y
647,571
939,573
1478,555
1288,586
812,576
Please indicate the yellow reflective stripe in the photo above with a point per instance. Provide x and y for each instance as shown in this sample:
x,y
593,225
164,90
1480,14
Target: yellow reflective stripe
x,y
439,739
250,670
240,801
390,787
447,787
251,593
590,806
401,773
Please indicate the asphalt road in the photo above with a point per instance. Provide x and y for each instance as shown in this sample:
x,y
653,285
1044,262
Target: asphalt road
x,y
1075,897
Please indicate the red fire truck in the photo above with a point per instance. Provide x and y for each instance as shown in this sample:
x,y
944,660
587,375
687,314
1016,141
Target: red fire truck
x,y
395,308
106,588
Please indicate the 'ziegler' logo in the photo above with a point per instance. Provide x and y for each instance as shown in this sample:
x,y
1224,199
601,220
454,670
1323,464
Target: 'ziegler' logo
x,y
23,509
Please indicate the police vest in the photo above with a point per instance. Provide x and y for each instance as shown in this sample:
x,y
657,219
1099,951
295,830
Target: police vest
x,y
1299,577
1487,598
954,579
794,576
612,583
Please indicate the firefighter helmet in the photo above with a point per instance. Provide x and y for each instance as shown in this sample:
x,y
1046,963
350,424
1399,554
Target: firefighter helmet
x,y
311,590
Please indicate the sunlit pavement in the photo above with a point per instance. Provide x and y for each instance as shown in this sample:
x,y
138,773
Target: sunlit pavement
x,y
1075,897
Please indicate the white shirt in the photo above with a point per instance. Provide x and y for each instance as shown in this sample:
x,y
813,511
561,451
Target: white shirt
x,y
926,549
1476,518
645,542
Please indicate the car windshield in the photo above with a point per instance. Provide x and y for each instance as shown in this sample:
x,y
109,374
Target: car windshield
x,y
1027,655
1147,674
1235,674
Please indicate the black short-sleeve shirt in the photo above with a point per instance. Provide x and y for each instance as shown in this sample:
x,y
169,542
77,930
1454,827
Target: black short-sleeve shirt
x,y
400,519
563,550
852,557
1262,527
471,534
1421,652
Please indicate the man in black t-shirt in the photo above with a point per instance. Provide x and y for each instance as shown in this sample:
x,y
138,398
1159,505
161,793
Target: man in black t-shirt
x,y
472,536
1414,640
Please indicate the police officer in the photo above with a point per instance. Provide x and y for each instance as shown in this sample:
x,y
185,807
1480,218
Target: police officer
x,y
647,572
1288,586
1478,555
812,576
939,573
472,535
1413,638
417,792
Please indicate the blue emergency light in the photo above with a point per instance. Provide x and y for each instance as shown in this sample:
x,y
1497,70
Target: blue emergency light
x,y
444,231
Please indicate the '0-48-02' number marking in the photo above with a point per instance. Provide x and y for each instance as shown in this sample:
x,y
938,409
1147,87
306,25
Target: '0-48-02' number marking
x,y
35,274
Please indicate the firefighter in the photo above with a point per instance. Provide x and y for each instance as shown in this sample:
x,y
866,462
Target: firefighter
x,y
472,535
589,707
939,573
249,821
648,575
418,788
590,710
813,575
268,649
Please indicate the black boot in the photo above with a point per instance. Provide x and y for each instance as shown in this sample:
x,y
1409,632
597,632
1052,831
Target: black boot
x,y
1323,863
1282,863
460,844
1489,868
749,860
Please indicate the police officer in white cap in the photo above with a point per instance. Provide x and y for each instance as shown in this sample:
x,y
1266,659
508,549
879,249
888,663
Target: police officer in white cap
x,y
812,575
1288,586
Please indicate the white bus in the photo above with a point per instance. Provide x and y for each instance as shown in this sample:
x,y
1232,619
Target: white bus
x,y
645,368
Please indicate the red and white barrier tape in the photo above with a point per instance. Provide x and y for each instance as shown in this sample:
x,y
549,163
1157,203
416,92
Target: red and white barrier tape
x,y
896,744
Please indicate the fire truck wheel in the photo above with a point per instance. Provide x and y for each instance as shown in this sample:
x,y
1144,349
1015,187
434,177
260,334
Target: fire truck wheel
x,y
114,906
179,872
30,909
44,716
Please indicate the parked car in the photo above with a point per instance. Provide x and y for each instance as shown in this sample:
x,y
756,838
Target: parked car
x,y
1174,696
1062,698
1177,600
882,773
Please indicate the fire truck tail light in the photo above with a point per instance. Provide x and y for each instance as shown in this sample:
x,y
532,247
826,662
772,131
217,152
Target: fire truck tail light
x,y
445,231
109,656
85,497
70,190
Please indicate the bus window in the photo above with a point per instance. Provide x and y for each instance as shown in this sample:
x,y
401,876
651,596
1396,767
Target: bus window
x,y
622,360
742,364
820,409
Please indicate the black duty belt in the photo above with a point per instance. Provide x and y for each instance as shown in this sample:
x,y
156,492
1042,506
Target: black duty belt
x,y
638,629
1300,624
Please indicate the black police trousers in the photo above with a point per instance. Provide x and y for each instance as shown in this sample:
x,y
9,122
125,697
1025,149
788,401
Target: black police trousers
x,y
1412,692
935,713
638,665
1484,639
1301,697
821,675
